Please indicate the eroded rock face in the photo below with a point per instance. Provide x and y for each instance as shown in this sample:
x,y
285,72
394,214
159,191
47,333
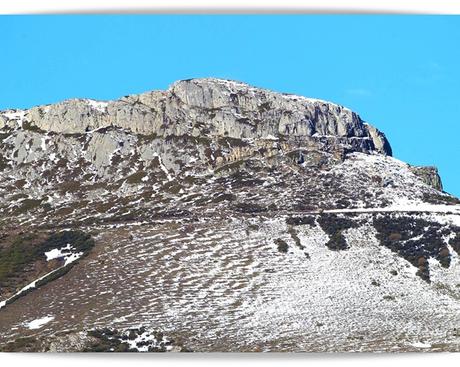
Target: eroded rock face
x,y
199,129
429,175
212,107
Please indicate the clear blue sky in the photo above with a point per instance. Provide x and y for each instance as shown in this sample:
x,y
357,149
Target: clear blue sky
x,y
401,73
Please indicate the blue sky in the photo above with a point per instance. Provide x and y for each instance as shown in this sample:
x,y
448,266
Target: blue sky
x,y
400,73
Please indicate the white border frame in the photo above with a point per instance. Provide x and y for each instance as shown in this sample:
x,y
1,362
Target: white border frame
x,y
230,7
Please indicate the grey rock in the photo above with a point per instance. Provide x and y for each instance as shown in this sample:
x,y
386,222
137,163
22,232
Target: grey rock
x,y
429,175
215,108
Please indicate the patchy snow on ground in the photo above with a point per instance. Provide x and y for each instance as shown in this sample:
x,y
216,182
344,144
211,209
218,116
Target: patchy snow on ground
x,y
145,340
15,115
183,254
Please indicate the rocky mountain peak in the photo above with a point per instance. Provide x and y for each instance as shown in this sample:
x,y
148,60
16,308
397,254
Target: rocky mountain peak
x,y
212,108
215,216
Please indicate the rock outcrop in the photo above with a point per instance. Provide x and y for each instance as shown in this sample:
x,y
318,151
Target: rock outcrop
x,y
197,128
429,175
213,108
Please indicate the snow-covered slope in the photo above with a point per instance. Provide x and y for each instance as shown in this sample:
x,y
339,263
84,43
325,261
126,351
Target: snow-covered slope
x,y
227,217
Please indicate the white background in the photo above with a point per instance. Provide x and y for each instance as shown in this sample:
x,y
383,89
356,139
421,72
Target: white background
x,y
235,6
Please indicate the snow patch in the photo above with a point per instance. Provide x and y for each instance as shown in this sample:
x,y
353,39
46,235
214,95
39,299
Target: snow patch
x,y
146,339
38,323
97,105
53,157
15,115
43,144
420,345
163,167
65,252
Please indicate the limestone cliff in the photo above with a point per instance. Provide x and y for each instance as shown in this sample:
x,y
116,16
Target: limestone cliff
x,y
214,108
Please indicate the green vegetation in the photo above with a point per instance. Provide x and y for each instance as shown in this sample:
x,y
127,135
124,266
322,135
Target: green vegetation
x,y
3,163
19,257
444,257
389,298
80,241
4,134
337,242
295,238
173,187
440,199
15,257
223,197
455,242
104,340
233,142
147,138
230,166
25,249
69,186
263,107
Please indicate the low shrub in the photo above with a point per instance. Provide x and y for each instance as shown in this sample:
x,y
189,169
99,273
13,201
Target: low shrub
x,y
27,205
337,242
334,225
295,237
112,340
415,239
282,245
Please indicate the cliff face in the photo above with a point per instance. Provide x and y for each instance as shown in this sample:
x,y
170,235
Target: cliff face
x,y
197,128
213,108
232,218
429,175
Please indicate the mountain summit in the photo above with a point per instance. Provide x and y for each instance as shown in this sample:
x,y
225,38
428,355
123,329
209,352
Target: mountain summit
x,y
216,216
213,108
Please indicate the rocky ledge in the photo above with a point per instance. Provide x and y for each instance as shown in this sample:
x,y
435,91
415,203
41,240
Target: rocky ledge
x,y
209,107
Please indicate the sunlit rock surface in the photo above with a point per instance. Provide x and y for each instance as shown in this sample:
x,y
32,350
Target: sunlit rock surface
x,y
215,216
